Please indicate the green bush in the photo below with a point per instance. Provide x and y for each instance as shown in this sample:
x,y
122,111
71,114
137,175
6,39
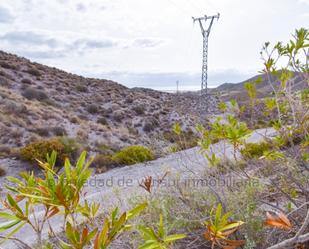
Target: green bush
x,y
133,154
38,150
255,150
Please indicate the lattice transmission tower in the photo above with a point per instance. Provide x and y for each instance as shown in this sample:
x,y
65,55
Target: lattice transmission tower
x,y
205,28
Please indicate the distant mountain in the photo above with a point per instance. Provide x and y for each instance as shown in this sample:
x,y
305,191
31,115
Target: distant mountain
x,y
237,91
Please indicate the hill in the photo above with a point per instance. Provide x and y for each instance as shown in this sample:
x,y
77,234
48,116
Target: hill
x,y
37,102
237,91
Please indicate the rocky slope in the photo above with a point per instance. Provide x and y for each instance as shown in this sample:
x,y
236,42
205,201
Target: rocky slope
x,y
37,102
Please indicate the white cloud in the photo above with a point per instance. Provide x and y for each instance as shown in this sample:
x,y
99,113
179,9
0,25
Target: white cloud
x,y
5,15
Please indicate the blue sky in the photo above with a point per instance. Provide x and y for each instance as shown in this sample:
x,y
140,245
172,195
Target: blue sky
x,y
148,43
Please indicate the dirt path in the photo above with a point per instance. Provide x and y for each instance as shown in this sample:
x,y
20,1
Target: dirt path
x,y
115,187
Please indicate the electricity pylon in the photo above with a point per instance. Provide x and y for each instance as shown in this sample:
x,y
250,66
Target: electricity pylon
x,y
205,33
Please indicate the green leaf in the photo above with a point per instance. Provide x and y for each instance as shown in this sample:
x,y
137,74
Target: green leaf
x,y
81,162
13,203
232,225
218,215
64,245
8,216
150,244
174,237
13,232
135,211
8,225
161,229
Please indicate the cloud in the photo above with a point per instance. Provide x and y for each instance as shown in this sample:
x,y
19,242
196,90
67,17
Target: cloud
x,y
93,44
81,7
5,16
38,45
304,1
29,38
43,54
147,42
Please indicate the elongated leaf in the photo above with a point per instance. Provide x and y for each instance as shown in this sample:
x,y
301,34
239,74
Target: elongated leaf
x,y
13,203
135,211
8,216
118,224
231,225
161,229
174,237
150,244
81,162
13,232
64,245
8,225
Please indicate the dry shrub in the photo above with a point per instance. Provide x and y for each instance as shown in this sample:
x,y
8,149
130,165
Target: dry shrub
x,y
32,93
2,171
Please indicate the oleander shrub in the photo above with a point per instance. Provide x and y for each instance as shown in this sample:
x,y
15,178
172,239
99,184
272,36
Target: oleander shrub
x,y
133,154
255,150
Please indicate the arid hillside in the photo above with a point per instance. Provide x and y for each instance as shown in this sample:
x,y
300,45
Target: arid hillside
x,y
38,102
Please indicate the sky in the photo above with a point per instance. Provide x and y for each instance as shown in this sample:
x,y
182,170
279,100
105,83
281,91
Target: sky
x,y
148,43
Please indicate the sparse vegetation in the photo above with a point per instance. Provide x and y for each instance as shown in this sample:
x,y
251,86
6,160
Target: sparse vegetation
x,y
26,81
103,162
65,148
33,71
133,154
32,93
102,121
139,110
2,171
82,88
39,149
93,109
255,150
